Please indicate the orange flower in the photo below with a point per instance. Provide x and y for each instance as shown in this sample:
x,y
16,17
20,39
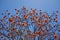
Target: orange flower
x,y
36,32
25,17
16,32
13,21
41,33
24,24
30,13
13,29
59,39
41,21
10,19
32,18
8,34
34,11
24,8
36,17
44,15
45,21
39,24
55,36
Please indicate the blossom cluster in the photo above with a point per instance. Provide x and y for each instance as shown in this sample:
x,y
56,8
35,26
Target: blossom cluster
x,y
29,25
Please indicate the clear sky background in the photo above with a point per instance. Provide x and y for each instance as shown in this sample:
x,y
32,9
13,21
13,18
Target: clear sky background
x,y
46,5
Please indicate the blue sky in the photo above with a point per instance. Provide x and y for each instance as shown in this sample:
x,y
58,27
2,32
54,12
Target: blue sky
x,y
47,5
